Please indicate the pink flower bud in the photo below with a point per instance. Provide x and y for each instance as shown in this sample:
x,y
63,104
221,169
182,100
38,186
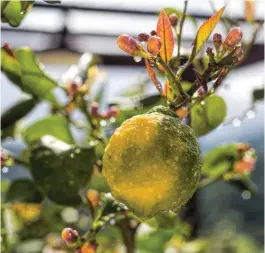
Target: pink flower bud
x,y
89,248
153,33
143,37
129,45
94,109
173,19
217,40
113,112
69,235
201,91
154,45
234,37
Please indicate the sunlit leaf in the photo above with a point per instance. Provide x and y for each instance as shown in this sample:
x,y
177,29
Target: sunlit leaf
x,y
153,76
55,125
13,12
204,32
219,160
206,117
23,68
164,31
249,10
61,170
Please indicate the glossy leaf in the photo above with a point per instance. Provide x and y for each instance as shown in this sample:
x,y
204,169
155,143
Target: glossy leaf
x,y
204,32
206,117
55,125
61,170
24,70
23,190
153,76
16,112
13,12
249,10
218,161
164,31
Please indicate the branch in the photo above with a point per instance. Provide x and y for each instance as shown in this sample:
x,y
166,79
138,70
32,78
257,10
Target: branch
x,y
172,78
181,27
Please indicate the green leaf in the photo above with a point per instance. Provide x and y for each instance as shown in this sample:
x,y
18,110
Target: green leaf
x,y
35,80
13,12
163,220
16,112
150,100
258,94
23,190
206,117
99,183
204,32
218,161
55,125
186,85
11,67
61,170
24,70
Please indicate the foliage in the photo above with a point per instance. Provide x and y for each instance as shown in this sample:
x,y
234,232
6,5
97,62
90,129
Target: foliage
x,y
66,187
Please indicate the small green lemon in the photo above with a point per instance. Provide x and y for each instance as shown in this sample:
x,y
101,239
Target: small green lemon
x,y
152,163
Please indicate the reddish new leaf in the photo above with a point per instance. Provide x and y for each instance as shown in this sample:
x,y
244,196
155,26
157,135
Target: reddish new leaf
x,y
204,32
164,31
166,89
152,74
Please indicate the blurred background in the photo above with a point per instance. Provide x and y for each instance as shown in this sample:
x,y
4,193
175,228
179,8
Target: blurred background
x,y
61,33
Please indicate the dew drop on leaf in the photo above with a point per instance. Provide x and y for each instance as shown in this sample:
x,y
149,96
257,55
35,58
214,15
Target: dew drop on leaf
x,y
137,58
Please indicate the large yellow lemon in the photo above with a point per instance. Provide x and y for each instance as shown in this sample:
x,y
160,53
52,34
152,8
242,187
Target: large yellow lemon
x,y
152,163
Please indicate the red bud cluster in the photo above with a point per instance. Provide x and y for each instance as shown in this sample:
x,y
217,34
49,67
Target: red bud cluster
x,y
112,112
248,159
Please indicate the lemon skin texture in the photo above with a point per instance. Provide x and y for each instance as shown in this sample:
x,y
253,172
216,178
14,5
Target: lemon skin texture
x,y
152,163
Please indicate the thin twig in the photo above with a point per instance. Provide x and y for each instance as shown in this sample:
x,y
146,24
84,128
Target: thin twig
x,y
208,181
172,78
179,38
